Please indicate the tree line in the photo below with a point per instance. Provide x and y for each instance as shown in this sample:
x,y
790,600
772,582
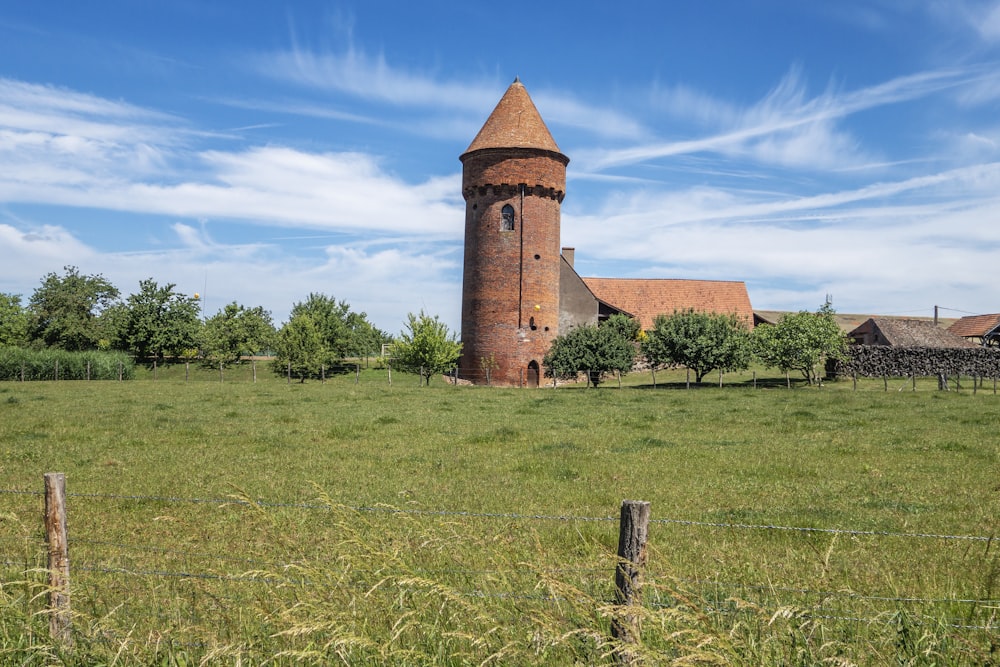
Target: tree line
x,y
699,341
76,312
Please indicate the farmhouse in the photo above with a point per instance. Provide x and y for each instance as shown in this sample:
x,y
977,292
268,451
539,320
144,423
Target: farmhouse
x,y
520,290
595,299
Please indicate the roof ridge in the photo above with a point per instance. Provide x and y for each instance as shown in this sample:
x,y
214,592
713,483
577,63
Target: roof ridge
x,y
691,280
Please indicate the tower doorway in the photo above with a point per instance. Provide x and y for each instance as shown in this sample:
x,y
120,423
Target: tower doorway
x,y
533,374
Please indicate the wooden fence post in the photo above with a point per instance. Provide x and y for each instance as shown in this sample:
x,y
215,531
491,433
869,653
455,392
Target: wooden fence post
x,y
56,535
632,535
357,373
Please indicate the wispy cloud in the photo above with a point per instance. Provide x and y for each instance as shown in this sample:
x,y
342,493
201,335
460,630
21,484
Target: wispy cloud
x,y
786,127
372,78
55,110
879,247
989,27
59,147
981,18
362,76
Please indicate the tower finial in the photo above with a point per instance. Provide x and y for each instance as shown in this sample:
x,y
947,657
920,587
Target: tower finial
x,y
517,79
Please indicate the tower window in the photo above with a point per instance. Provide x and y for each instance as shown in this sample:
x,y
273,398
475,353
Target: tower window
x,y
507,218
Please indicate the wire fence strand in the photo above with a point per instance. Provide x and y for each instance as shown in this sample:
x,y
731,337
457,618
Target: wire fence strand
x,y
515,516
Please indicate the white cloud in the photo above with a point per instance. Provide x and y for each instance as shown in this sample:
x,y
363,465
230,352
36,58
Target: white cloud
x,y
372,78
785,125
688,103
880,248
386,283
985,20
269,185
59,111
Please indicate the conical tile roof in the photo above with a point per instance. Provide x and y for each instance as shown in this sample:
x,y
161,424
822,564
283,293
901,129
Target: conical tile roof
x,y
514,123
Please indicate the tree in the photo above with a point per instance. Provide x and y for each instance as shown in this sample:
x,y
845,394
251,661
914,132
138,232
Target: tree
x,y
235,331
300,347
426,347
592,349
13,321
331,321
700,341
800,341
366,338
626,327
66,310
157,321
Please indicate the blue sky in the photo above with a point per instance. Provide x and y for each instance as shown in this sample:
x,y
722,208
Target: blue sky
x,y
260,151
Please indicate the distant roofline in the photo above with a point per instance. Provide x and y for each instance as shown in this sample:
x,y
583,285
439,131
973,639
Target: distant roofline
x,y
676,280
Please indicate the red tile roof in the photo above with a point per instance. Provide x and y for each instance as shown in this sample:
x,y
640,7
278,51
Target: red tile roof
x,y
514,123
975,326
647,298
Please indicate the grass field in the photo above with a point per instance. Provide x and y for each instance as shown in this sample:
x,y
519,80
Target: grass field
x,y
273,523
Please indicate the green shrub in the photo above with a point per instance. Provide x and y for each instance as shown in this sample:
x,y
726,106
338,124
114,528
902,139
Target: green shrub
x,y
51,364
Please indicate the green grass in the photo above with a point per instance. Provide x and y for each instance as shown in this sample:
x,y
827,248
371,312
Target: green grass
x,y
308,576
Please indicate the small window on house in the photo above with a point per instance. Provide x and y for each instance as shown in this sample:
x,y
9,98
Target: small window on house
x,y
507,218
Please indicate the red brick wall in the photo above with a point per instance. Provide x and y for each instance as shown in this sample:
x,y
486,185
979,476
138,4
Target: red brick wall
x,y
511,278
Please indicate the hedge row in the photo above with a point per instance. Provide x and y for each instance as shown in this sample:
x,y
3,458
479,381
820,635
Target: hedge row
x,y
884,361
20,364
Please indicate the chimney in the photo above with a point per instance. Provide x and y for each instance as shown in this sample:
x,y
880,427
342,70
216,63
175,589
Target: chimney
x,y
569,254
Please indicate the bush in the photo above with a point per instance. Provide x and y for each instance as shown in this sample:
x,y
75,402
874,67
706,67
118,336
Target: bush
x,y
50,364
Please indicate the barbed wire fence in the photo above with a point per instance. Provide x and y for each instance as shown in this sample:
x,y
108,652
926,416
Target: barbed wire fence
x,y
108,562
906,377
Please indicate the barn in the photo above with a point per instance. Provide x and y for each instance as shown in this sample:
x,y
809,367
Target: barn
x,y
896,332
981,329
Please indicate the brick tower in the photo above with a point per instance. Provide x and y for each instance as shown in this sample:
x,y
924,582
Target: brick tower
x,y
513,182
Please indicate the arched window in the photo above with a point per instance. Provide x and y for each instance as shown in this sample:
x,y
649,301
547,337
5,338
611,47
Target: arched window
x,y
507,218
